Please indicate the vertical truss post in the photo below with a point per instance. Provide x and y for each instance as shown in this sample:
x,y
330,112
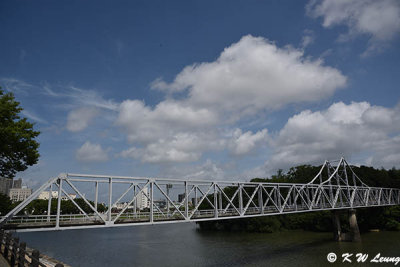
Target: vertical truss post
x,y
96,195
240,199
195,196
151,200
134,200
109,199
328,166
59,202
294,197
367,197
215,201
186,201
340,191
347,182
49,204
260,200
220,199
379,196
278,190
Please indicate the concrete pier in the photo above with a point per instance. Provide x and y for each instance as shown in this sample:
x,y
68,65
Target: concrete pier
x,y
337,230
354,231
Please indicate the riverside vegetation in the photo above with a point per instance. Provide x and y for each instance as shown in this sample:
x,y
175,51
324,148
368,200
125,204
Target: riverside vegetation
x,y
384,218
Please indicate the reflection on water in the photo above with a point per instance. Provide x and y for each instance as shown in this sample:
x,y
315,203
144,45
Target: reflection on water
x,y
184,245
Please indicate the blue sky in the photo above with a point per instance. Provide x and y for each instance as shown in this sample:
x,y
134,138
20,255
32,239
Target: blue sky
x,y
204,89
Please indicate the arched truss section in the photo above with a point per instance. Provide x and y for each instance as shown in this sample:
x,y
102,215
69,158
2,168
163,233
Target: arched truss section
x,y
76,201
337,173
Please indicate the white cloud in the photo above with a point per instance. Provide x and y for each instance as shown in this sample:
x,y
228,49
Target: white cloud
x,y
255,74
308,38
80,97
243,143
341,130
208,170
89,152
169,132
252,75
143,123
33,116
378,19
180,147
80,118
91,98
16,86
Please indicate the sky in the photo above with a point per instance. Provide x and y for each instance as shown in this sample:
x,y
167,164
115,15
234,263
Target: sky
x,y
217,90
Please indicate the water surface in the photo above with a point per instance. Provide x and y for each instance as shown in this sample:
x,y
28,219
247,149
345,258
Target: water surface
x,y
184,245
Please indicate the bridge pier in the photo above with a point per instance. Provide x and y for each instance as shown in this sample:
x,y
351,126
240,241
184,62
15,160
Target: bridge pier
x,y
354,233
337,230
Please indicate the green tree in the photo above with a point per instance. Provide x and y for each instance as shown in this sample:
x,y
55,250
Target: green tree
x,y
18,147
5,204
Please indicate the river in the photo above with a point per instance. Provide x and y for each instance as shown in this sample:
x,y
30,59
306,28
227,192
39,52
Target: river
x,y
184,244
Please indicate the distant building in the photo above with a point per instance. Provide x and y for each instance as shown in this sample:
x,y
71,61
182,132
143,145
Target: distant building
x,y
19,194
54,194
17,183
6,184
142,201
121,206
181,197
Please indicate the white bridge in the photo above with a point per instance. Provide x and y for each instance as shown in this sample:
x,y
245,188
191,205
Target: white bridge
x,y
336,186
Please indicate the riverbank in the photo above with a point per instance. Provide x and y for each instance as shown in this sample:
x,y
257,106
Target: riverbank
x,y
3,262
13,251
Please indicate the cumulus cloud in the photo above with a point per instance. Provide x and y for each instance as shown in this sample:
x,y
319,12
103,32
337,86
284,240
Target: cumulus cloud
x,y
208,170
80,118
179,147
243,143
380,20
89,152
255,74
143,123
341,130
249,78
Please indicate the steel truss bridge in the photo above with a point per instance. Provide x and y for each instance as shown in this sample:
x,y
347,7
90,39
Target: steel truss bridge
x,y
336,186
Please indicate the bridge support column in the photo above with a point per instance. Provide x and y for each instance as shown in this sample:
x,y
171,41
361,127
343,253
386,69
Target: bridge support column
x,y
354,231
337,230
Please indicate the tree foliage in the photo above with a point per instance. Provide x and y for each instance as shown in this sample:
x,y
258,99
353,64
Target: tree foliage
x,y
18,147
5,204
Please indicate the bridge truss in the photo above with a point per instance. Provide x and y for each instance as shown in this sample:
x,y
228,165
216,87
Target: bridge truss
x,y
334,187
